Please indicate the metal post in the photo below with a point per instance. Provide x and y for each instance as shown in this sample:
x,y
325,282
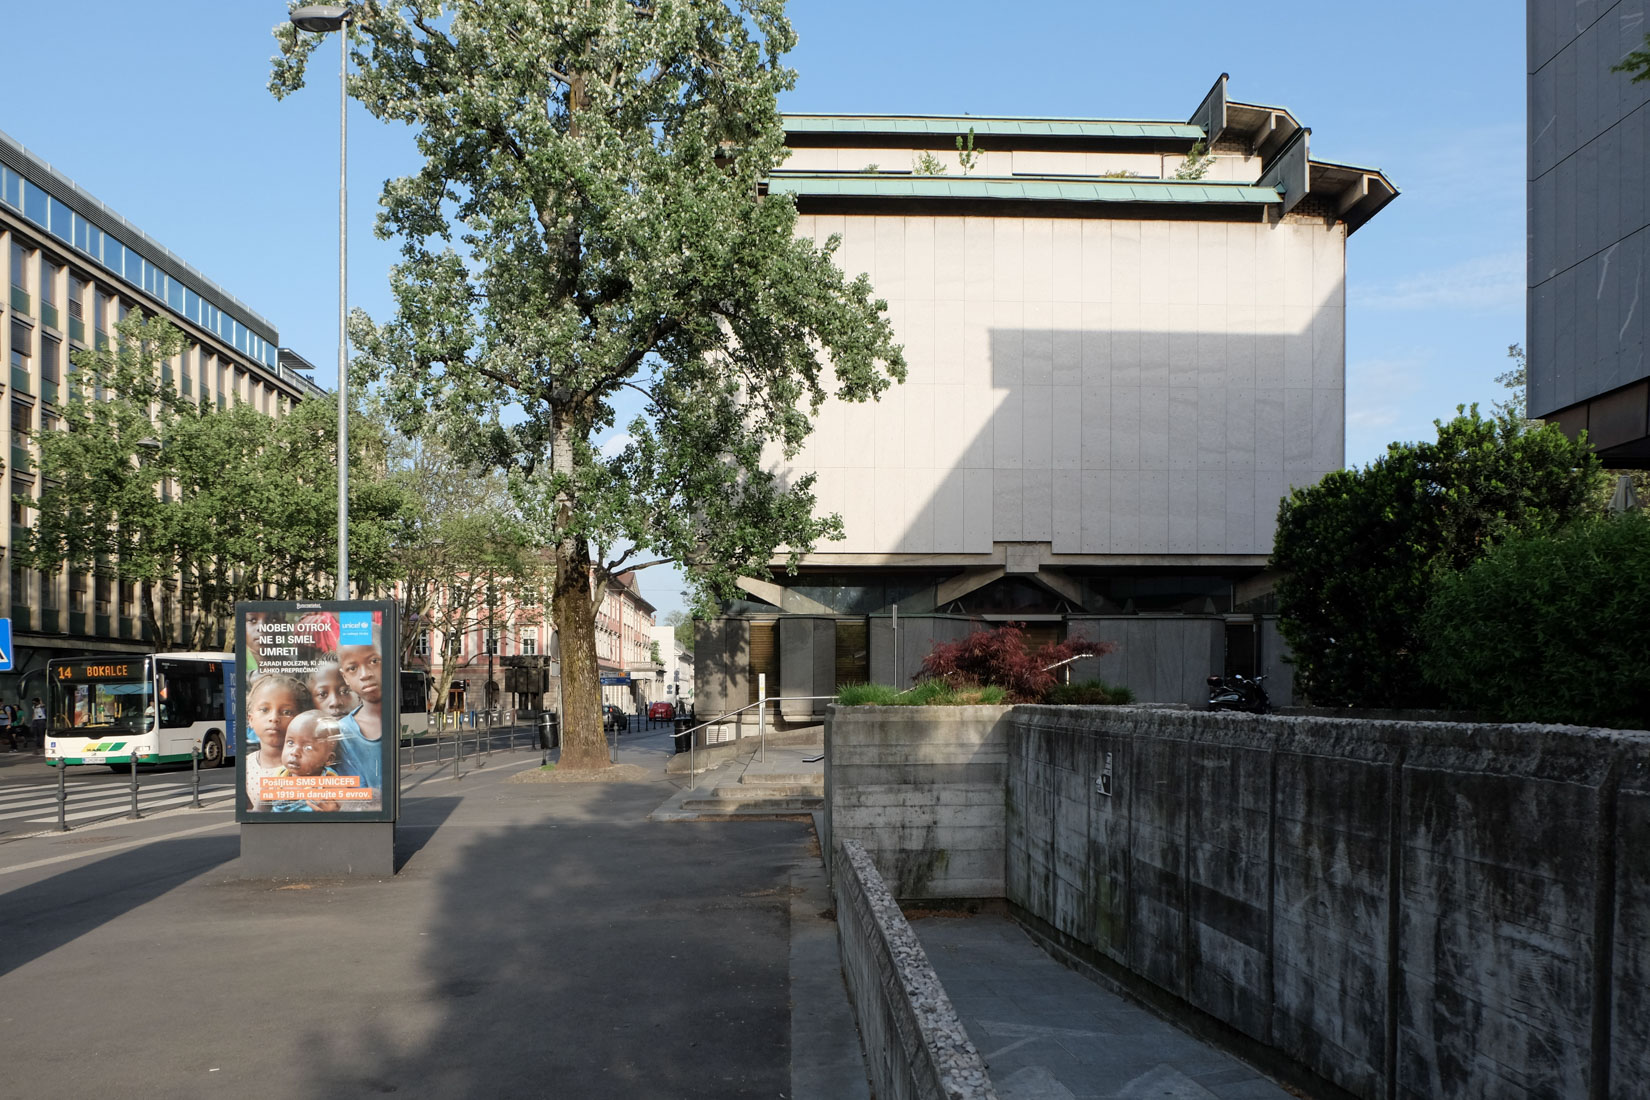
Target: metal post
x,y
343,316
690,759
458,749
134,815
762,713
62,798
897,676
195,774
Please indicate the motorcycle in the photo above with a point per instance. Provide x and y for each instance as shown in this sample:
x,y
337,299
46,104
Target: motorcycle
x,y
1238,693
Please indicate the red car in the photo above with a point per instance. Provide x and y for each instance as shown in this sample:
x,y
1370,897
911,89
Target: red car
x,y
660,712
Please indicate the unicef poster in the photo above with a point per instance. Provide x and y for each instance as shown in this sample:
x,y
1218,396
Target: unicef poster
x,y
317,695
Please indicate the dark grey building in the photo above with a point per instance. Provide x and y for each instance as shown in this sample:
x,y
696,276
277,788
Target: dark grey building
x,y
1589,208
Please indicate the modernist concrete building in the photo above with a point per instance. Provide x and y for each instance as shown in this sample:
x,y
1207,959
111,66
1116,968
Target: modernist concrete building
x,y
73,268
1116,372
1589,132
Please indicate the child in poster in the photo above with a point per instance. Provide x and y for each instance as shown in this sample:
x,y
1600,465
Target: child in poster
x,y
322,672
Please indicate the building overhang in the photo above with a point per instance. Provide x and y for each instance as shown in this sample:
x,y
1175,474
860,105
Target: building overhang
x,y
1617,424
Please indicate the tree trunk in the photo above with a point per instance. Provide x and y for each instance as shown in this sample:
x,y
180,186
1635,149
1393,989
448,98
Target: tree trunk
x,y
584,747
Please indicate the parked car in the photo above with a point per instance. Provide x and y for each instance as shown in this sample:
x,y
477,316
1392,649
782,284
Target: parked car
x,y
614,718
660,712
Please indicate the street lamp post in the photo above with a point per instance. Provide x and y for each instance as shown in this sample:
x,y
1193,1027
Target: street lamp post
x,y
322,19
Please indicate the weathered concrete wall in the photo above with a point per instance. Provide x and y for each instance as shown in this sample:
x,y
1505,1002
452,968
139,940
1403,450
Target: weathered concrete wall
x,y
807,665
1274,663
915,1043
1161,658
1410,910
918,635
922,789
721,665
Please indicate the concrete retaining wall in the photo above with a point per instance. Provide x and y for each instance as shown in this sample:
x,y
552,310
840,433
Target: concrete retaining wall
x,y
1405,910
914,1041
922,789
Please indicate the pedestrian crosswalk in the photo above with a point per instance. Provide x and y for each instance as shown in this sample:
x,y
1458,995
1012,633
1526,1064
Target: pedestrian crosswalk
x,y
29,804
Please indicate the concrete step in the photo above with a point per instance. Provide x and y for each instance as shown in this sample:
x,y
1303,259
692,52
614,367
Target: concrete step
x,y
752,806
777,790
753,778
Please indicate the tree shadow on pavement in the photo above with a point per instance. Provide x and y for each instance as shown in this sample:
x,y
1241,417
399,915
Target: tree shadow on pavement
x,y
43,916
589,953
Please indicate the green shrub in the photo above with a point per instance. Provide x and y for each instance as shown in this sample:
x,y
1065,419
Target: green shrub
x,y
1359,553
1088,693
928,693
1549,629
866,695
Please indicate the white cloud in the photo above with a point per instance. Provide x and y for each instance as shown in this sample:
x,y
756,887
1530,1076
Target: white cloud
x,y
1485,283
615,443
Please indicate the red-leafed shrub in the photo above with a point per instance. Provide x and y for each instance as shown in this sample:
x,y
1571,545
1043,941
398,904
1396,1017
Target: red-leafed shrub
x,y
1000,658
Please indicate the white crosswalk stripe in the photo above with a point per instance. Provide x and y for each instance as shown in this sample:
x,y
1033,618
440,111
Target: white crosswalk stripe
x,y
36,803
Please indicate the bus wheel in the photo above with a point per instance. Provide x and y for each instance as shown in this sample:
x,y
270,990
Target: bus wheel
x,y
212,751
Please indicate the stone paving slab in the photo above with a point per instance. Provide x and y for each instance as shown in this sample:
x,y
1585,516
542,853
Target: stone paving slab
x,y
1048,1033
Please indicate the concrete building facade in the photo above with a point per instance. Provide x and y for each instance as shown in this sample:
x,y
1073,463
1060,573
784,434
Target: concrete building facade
x,y
1115,375
73,268
1589,149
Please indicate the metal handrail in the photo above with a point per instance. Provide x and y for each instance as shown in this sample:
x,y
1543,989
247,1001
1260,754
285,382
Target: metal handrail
x,y
762,700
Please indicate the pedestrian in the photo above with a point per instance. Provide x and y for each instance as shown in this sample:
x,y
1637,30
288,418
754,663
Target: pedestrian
x,y
37,726
7,729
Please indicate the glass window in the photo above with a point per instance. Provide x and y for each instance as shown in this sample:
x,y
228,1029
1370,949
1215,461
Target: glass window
x,y
134,268
62,217
10,187
114,255
20,587
48,592
21,342
530,642
77,293
77,592
192,305
174,294
19,265
51,355
94,242
22,418
34,204
48,282
82,234
100,318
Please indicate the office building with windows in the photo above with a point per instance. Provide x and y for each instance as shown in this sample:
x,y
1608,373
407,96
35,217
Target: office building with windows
x,y
73,268
1126,343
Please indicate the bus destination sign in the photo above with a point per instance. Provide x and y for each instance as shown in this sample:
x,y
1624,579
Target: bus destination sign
x,y
99,670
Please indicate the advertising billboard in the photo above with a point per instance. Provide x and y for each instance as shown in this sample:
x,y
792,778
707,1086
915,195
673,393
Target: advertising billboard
x,y
318,710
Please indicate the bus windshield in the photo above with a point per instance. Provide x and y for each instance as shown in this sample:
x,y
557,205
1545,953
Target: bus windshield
x,y
100,696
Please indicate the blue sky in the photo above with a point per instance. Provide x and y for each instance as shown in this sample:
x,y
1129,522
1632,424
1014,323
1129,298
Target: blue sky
x,y
170,125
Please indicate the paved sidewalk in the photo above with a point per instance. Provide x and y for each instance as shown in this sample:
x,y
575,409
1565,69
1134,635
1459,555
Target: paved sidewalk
x,y
538,940
1049,1033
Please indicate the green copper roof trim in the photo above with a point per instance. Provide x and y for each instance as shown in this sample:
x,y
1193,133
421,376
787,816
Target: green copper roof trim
x,y
1031,189
1005,127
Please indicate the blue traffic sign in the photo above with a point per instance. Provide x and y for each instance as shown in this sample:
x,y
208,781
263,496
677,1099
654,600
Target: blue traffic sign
x,y
5,645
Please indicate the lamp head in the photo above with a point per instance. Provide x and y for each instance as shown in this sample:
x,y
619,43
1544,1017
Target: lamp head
x,y
319,18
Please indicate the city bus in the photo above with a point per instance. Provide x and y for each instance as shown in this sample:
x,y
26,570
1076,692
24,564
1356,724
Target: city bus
x,y
414,704
156,708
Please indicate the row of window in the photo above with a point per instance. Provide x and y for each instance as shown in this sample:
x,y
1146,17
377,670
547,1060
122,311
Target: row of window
x,y
527,643
196,363
127,263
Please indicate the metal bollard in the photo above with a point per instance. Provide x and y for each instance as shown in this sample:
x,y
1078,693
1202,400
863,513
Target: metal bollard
x,y
458,750
195,778
134,815
62,798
